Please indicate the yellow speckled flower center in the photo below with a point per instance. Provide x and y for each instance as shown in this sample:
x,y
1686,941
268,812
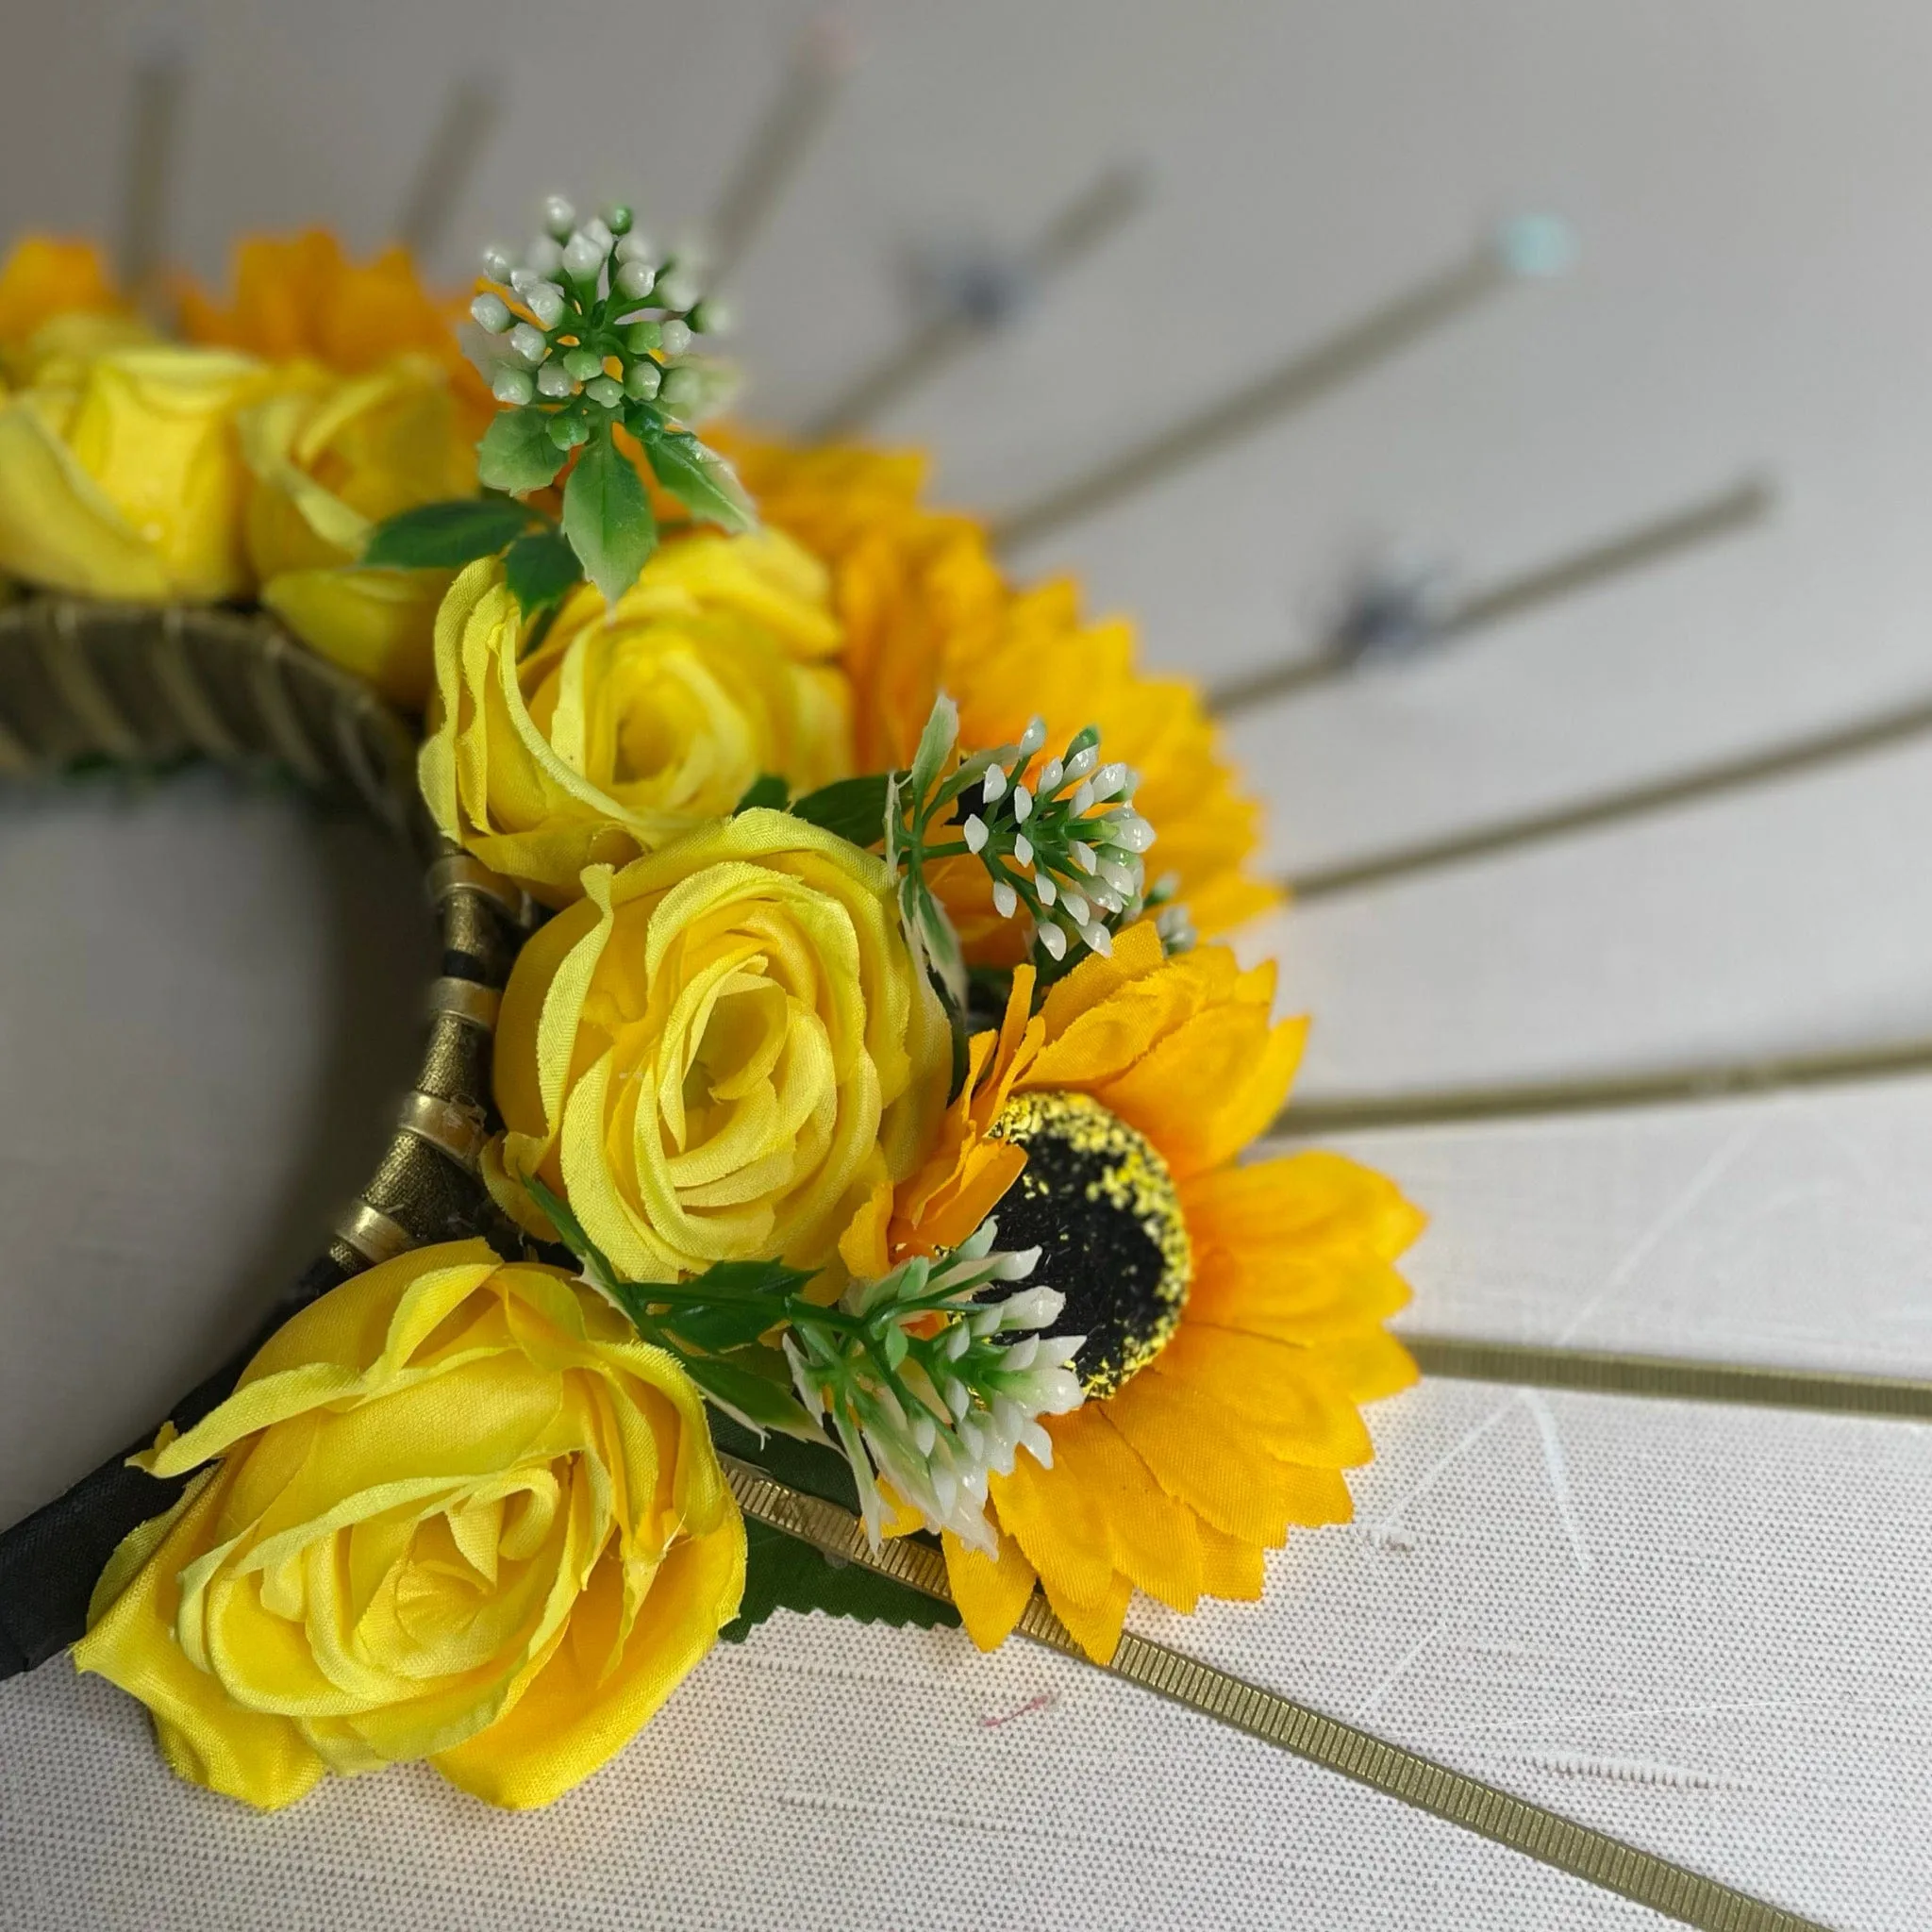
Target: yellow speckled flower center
x,y
1099,1202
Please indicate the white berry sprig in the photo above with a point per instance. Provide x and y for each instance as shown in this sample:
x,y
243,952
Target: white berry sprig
x,y
593,329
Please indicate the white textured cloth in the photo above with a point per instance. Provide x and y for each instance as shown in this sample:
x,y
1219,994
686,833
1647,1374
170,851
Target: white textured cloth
x,y
1704,1629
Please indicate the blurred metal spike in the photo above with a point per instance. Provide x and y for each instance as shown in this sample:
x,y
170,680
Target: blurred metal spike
x,y
471,109
1880,732
819,63
981,304
1391,618
1679,1086
147,186
1532,248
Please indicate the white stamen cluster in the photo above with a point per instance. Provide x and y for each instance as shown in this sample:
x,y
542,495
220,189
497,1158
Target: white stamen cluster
x,y
1061,837
933,1390
611,321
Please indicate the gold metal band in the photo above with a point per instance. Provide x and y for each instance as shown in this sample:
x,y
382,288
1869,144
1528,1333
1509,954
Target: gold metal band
x,y
457,872
276,707
1671,1378
70,671
186,694
448,1127
373,1235
467,1000
1675,1890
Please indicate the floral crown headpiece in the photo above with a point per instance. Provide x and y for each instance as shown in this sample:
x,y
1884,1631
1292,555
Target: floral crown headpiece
x,y
822,1106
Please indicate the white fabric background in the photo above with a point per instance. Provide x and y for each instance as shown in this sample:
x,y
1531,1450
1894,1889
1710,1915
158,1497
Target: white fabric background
x,y
1702,1629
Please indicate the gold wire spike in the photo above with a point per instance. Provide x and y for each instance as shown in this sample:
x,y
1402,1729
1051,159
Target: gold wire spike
x,y
470,110
820,61
984,295
147,186
1606,1093
1533,247
1671,1378
1391,618
1880,732
1675,1890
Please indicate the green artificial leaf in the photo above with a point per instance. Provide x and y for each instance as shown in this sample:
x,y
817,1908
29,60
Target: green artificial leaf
x,y
767,790
941,732
516,453
446,536
749,1277
571,1230
957,1026
784,1572
807,1463
541,570
747,1394
700,479
608,517
855,809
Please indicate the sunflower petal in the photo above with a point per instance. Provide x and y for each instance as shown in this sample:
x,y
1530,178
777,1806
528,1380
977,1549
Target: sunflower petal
x,y
1367,1367
1136,952
1218,1470
1151,1536
1060,1525
1096,1627
1230,1566
1211,1086
991,1593
1280,1396
1312,1202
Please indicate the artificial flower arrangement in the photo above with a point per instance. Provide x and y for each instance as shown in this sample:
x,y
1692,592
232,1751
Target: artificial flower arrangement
x,y
865,1110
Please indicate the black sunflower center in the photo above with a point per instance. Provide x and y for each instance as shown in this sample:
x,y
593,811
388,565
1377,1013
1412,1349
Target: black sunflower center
x,y
1100,1204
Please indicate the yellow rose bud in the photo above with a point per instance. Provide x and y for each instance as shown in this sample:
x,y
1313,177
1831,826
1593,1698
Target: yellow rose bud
x,y
719,1052
623,730
458,1510
125,477
330,460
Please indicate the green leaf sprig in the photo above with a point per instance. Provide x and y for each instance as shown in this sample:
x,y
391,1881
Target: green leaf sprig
x,y
595,333
920,1380
595,328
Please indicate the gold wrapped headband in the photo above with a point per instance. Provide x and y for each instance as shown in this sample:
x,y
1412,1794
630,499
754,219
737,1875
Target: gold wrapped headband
x,y
150,686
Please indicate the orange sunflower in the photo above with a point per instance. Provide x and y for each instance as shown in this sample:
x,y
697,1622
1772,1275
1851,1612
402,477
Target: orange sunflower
x,y
1233,1314
299,297
57,296
926,608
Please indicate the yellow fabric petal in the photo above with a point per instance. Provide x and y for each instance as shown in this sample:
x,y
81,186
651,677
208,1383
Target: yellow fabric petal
x,y
261,1759
1220,1474
1136,952
1231,1567
1271,1393
580,1712
1152,1539
1095,1626
991,1593
1061,1526
1367,1367
1235,1070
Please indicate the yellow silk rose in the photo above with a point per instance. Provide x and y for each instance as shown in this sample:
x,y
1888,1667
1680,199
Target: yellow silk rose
x,y
623,730
331,457
719,1052
124,476
456,1510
